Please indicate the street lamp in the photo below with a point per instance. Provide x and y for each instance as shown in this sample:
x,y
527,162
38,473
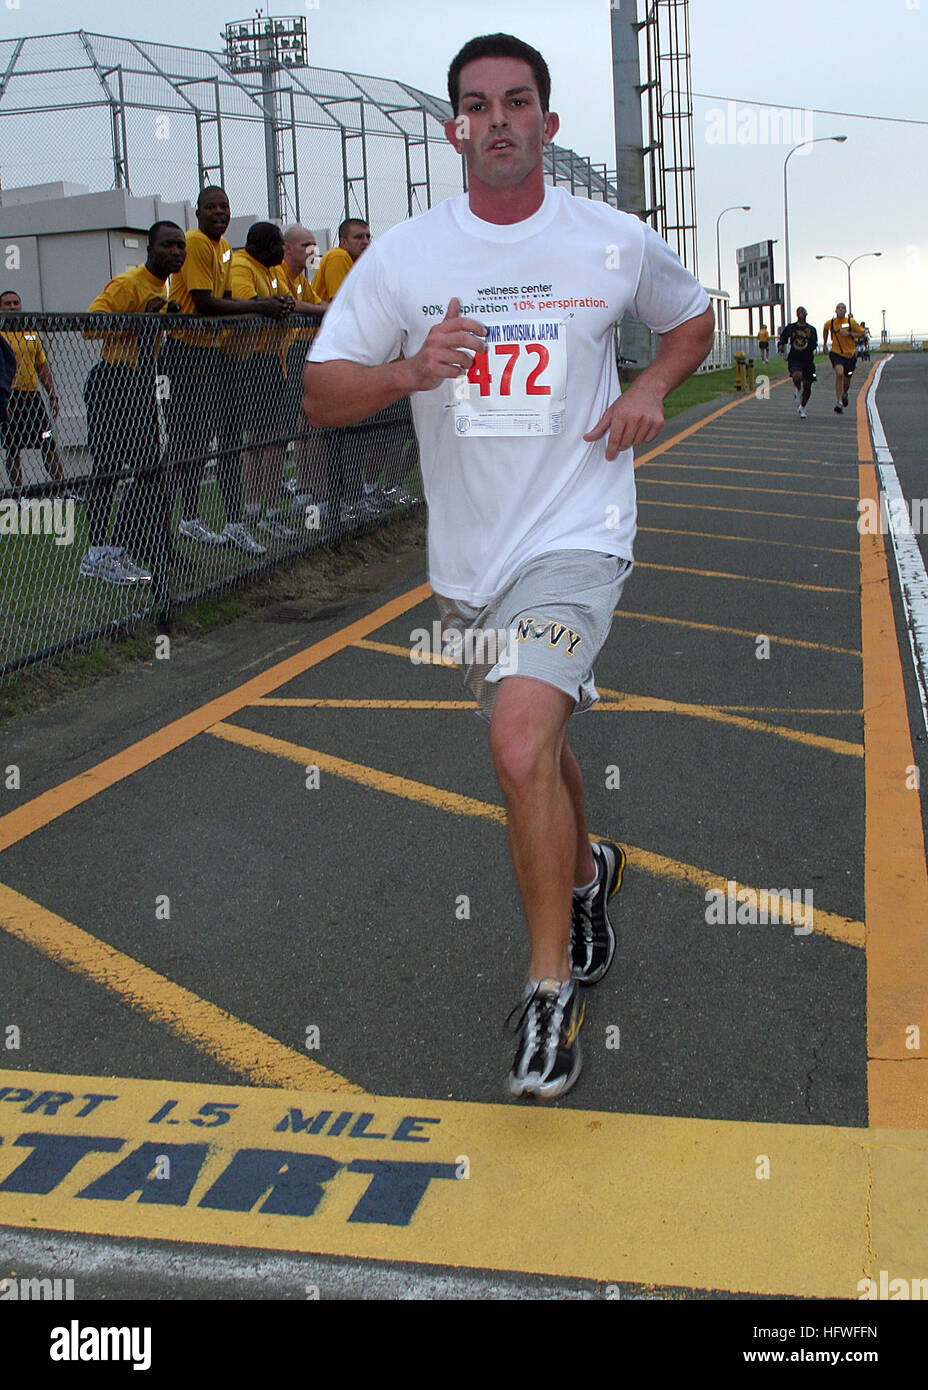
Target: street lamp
x,y
735,207
849,264
818,140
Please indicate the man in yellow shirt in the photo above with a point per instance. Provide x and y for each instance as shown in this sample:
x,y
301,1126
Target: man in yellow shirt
x,y
310,482
354,237
845,335
27,425
202,375
120,394
265,414
763,343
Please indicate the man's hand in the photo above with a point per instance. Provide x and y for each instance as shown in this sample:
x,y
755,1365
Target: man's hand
x,y
274,307
635,418
154,306
448,351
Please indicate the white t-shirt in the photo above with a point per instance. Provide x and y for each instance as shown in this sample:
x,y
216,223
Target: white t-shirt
x,y
507,472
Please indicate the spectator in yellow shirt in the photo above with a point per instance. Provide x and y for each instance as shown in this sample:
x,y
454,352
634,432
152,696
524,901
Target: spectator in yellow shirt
x,y
311,452
354,237
265,415
120,394
202,375
845,335
27,425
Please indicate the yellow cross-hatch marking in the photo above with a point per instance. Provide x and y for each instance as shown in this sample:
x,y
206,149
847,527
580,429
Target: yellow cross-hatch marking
x,y
212,1030
831,924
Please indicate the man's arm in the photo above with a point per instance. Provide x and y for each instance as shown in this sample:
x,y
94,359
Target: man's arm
x,y
44,373
638,414
206,302
342,392
825,336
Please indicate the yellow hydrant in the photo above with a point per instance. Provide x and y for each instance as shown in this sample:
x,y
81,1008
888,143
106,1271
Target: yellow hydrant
x,y
739,371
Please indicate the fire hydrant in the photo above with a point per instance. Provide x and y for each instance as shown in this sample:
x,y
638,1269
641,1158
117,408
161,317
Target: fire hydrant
x,y
740,377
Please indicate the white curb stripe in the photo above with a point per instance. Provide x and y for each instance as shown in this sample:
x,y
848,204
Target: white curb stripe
x,y
913,579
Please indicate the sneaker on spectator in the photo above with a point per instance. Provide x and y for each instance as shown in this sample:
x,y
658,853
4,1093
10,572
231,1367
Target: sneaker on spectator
x,y
197,530
240,536
112,565
272,526
399,497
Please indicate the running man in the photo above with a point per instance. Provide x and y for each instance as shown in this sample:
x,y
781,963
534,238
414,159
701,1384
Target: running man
x,y
845,334
526,453
802,339
763,343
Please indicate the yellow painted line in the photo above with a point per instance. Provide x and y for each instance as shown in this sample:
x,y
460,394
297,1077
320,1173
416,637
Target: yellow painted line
x,y
738,487
724,714
896,881
577,1194
222,1036
646,704
320,703
789,709
747,540
694,429
43,809
748,511
828,923
746,578
734,632
392,649
750,472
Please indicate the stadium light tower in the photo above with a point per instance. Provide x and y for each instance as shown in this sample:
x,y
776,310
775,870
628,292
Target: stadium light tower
x,y
265,45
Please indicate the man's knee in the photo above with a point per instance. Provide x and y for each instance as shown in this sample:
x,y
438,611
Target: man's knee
x,y
527,732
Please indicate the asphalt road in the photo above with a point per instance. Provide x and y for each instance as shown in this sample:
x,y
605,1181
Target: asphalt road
x,y
265,925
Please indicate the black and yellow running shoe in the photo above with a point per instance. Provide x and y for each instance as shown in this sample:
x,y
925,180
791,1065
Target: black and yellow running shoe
x,y
592,937
547,1061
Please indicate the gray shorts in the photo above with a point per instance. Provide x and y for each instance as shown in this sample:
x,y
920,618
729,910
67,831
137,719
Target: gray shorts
x,y
549,623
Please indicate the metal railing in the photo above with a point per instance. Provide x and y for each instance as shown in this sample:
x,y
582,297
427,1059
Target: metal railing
x,y
169,460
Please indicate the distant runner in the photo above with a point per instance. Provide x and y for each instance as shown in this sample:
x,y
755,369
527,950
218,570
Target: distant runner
x,y
802,339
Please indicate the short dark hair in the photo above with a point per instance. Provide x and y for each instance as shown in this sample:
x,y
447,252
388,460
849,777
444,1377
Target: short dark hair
x,y
499,46
350,222
210,188
263,236
155,228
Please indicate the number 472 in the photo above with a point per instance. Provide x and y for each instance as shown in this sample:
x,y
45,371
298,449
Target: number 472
x,y
479,373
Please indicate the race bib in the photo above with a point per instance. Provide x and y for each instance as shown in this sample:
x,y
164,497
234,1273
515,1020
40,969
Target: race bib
x,y
519,385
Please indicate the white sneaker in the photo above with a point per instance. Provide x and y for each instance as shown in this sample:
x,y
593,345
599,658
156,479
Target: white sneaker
x,y
113,566
240,536
197,530
271,526
802,412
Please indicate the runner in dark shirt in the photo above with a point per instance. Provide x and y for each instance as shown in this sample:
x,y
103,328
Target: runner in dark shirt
x,y
802,338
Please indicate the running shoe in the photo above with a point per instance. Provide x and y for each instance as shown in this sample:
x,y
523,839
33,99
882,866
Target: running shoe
x,y
197,530
547,1061
592,938
240,536
844,400
839,410
113,566
802,412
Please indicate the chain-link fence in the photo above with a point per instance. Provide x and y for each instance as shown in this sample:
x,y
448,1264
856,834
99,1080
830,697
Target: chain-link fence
x,y
151,460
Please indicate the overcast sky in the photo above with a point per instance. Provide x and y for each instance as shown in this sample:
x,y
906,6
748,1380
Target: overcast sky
x,y
867,56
